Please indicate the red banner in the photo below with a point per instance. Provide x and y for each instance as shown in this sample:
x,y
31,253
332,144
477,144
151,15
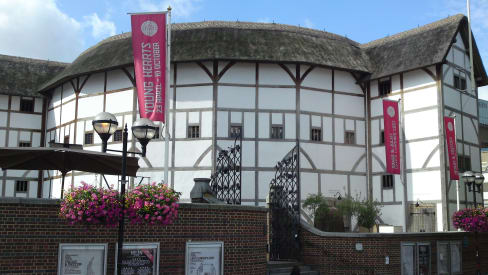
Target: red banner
x,y
451,147
149,49
392,136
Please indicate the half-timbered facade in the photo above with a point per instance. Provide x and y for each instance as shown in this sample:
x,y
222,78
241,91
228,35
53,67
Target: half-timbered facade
x,y
281,85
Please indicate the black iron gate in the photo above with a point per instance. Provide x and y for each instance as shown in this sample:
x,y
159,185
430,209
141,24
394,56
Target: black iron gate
x,y
285,208
226,181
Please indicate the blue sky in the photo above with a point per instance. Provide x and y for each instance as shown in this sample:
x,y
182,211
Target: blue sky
x,y
62,29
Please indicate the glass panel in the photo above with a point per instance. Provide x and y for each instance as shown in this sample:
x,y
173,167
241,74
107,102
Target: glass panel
x,y
408,260
443,256
424,259
455,258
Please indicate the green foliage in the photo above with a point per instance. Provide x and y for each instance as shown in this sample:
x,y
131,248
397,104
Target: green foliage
x,y
313,203
366,211
329,219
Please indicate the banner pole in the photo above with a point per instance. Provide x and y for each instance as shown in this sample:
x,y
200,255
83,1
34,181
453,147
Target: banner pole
x,y
402,162
166,101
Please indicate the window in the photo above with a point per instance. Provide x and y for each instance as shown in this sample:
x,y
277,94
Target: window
x,y
277,132
316,134
193,131
118,135
464,163
415,258
89,138
384,87
21,186
382,137
349,137
460,82
449,257
24,144
156,134
387,181
235,131
66,139
26,105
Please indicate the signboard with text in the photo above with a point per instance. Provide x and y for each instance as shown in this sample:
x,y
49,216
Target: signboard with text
x,y
204,258
149,50
451,147
139,258
392,136
82,259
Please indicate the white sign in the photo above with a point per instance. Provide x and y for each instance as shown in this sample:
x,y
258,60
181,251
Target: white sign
x,y
139,258
204,258
82,259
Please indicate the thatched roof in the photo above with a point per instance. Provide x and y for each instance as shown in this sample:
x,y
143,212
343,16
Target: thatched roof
x,y
24,76
424,46
269,42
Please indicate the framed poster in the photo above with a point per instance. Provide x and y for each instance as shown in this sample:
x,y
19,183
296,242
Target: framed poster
x,y
139,258
204,258
89,259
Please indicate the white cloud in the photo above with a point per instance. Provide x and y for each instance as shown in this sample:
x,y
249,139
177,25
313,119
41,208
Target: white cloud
x,y
38,29
100,28
180,8
308,23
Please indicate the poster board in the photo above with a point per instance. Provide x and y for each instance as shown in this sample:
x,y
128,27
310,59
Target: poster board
x,y
89,259
139,258
204,258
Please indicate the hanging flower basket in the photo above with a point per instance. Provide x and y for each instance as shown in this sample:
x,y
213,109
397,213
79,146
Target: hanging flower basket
x,y
89,205
154,204
471,219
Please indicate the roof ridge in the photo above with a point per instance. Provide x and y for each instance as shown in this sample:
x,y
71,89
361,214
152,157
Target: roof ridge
x,y
31,60
426,27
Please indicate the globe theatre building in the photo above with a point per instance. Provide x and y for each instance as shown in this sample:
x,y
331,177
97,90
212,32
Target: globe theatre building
x,y
276,84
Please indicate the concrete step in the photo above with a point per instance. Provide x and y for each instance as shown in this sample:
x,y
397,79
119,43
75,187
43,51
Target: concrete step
x,y
286,267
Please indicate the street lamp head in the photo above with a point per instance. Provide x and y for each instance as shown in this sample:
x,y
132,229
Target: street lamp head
x,y
105,124
479,179
144,130
468,177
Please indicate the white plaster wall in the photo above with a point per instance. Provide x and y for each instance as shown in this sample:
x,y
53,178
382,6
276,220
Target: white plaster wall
x,y
222,124
239,73
248,154
117,79
272,74
272,152
290,126
25,121
184,181
475,159
2,137
90,106
249,125
194,97
15,104
391,214
93,85
236,97
469,105
264,178
360,132
347,156
68,113
38,103
359,187
320,78
420,99
191,73
68,92
416,79
345,82
333,183
320,154
349,105
424,185
206,124
277,98
315,101
469,131
418,152
187,152
119,102
180,123
451,98
308,184
379,162
429,126
263,131
327,129
305,127
339,130
247,185
376,180
3,119
395,83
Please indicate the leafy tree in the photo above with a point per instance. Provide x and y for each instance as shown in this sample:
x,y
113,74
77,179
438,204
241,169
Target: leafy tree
x,y
368,213
313,202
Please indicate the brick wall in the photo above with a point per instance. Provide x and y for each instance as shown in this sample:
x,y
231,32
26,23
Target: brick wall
x,y
335,253
30,232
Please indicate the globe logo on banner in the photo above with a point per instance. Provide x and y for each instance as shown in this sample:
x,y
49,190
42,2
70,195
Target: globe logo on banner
x,y
149,28
391,111
449,126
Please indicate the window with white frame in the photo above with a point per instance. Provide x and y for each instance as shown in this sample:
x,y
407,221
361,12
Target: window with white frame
x,y
316,134
349,137
277,131
88,138
449,260
27,105
384,87
387,181
415,258
235,130
21,186
193,131
459,80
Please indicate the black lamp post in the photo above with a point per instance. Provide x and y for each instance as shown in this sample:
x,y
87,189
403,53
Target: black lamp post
x,y
474,182
105,124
